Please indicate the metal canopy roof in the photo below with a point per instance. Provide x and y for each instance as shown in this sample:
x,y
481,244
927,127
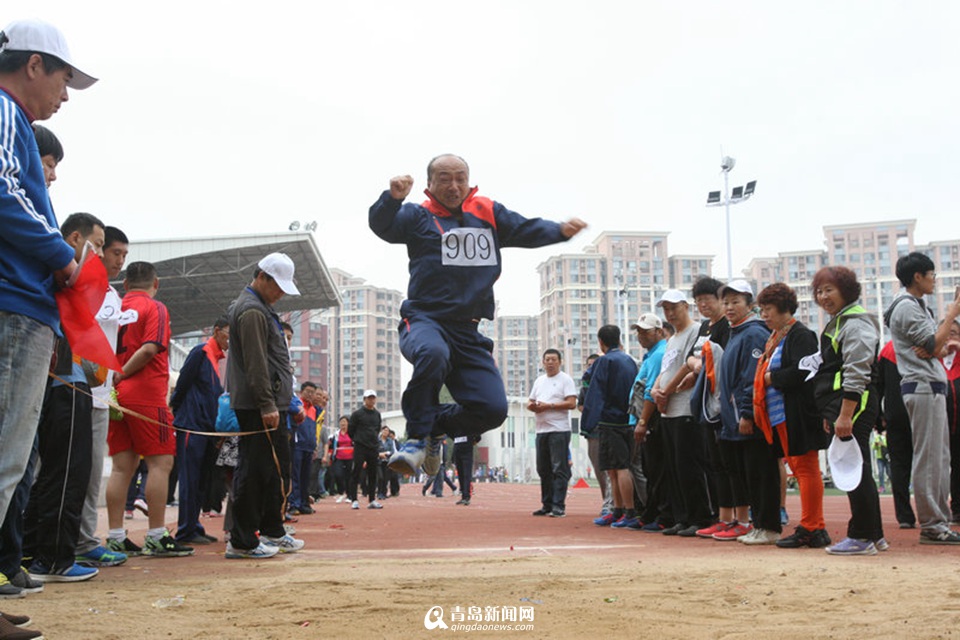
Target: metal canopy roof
x,y
200,277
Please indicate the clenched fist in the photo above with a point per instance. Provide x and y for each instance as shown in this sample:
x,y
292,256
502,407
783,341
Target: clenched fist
x,y
400,187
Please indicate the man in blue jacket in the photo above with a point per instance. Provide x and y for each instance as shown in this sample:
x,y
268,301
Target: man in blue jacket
x,y
195,404
453,241
606,409
35,71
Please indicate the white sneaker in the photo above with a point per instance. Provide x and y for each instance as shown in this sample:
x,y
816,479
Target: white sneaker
x,y
339,499
355,505
286,544
748,536
260,552
763,536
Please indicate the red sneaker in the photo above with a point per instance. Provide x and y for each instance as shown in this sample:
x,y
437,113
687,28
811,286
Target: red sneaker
x,y
733,532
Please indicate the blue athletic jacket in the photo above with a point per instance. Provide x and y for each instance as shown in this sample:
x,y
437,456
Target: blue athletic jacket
x,y
737,368
195,398
453,265
608,396
31,246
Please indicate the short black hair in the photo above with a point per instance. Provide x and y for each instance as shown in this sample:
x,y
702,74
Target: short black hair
x,y
443,155
11,61
308,385
609,335
112,235
592,356
221,322
286,325
705,285
912,264
140,275
555,352
47,142
82,222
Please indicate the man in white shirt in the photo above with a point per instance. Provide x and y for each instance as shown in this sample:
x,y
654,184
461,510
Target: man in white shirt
x,y
553,395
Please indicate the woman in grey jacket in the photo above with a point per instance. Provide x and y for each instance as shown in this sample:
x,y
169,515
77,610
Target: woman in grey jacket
x,y
846,396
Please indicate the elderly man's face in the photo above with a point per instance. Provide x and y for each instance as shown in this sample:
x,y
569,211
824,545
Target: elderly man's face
x,y
450,181
47,91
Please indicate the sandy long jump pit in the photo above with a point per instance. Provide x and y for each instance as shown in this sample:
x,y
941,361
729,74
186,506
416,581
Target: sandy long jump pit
x,y
424,567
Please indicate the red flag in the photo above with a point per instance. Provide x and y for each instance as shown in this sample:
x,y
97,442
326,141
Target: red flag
x,y
79,306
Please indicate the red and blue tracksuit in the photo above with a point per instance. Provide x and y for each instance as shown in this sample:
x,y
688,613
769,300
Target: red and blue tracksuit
x,y
454,263
195,406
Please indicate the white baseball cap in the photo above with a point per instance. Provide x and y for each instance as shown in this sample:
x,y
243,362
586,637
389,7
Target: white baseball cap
x,y
42,37
672,295
738,286
648,321
369,392
846,463
279,266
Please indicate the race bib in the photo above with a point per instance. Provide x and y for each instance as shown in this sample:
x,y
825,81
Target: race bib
x,y
468,247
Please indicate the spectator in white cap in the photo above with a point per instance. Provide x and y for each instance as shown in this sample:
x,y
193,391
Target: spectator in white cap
x,y
260,384
684,449
647,464
35,71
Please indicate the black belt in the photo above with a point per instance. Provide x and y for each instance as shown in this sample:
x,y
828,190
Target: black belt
x,y
936,387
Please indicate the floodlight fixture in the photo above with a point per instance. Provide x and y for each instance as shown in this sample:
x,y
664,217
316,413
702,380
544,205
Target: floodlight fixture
x,y
294,226
310,226
726,198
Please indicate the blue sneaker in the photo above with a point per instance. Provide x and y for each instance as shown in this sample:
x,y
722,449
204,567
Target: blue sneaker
x,y
784,518
100,556
853,547
604,521
653,527
626,523
881,544
73,573
410,457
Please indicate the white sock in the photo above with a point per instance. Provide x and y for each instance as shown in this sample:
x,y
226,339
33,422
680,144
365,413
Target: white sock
x,y
157,533
117,534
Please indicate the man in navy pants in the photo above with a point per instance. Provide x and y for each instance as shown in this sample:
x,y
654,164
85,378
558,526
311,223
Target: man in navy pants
x,y
453,240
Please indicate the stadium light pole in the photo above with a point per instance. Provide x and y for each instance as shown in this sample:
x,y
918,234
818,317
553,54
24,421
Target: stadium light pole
x,y
739,195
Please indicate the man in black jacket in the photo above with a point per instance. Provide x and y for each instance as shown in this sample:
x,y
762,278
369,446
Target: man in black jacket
x,y
260,382
364,430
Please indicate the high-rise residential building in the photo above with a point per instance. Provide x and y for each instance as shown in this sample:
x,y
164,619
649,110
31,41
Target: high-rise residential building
x,y
685,269
310,347
871,250
619,276
516,350
364,350
946,256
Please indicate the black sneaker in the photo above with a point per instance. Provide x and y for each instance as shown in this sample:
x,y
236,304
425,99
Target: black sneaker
x,y
675,530
558,513
931,536
541,512
125,546
689,532
800,537
165,547
820,539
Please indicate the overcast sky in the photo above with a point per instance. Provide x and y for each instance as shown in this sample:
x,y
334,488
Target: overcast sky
x,y
235,117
